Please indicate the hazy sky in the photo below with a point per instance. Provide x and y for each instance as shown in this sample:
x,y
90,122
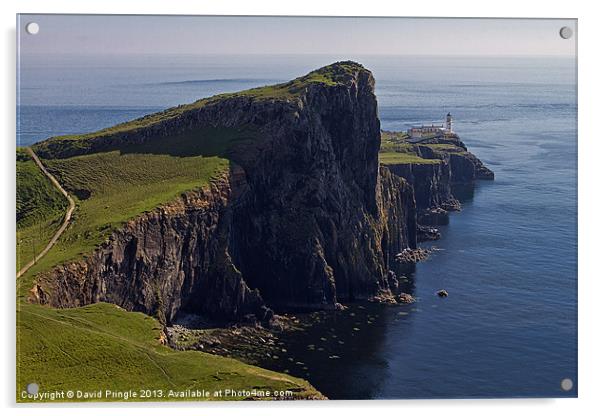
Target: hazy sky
x,y
241,35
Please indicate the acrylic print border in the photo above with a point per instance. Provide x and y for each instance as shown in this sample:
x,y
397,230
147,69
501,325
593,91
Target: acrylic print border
x,y
228,174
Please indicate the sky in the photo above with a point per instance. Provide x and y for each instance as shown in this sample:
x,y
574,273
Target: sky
x,y
114,34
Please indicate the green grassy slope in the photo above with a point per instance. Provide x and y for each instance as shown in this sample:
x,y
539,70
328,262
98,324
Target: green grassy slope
x,y
395,150
121,187
101,347
112,187
40,209
399,158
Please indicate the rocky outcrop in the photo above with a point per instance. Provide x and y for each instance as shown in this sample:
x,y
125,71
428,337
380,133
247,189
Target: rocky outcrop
x,y
438,187
304,219
467,168
431,183
464,167
433,193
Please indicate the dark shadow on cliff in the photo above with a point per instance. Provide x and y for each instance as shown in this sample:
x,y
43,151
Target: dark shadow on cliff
x,y
463,191
468,191
208,141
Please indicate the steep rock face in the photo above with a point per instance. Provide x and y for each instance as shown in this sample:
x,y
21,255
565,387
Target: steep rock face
x,y
171,258
431,183
304,219
464,166
313,229
438,186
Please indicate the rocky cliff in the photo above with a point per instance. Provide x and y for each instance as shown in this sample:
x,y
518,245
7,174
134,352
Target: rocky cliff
x,y
440,186
171,258
305,218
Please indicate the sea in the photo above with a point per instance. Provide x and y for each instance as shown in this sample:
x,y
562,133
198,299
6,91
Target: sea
x,y
508,260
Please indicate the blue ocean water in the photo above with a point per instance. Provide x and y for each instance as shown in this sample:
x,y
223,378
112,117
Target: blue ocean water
x,y
508,260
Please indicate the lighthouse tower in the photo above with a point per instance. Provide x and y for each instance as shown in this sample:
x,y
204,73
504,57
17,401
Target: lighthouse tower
x,y
448,123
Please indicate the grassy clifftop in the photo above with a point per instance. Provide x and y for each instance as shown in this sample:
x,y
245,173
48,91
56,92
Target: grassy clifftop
x,y
395,149
332,75
403,158
101,347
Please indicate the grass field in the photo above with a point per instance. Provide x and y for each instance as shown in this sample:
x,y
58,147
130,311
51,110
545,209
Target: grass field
x,y
389,147
40,209
398,158
443,147
395,150
101,347
395,142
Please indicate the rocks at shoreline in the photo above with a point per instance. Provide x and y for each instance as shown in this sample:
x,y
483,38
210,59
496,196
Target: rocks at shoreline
x,y
424,233
405,298
393,299
246,341
412,255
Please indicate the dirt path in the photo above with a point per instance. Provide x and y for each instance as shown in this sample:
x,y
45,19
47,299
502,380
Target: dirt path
x,y
66,220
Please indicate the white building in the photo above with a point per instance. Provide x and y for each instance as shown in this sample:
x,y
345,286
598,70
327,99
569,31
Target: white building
x,y
434,130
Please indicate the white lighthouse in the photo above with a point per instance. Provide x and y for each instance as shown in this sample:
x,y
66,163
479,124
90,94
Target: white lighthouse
x,y
449,123
433,130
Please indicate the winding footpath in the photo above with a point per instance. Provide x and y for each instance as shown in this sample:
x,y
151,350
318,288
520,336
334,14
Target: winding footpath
x,y
66,220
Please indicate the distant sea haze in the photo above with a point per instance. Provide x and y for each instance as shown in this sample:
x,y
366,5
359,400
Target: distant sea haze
x,y
508,260
257,81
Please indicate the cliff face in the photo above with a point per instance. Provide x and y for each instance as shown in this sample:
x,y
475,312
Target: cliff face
x,y
171,258
304,218
431,183
464,167
439,186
